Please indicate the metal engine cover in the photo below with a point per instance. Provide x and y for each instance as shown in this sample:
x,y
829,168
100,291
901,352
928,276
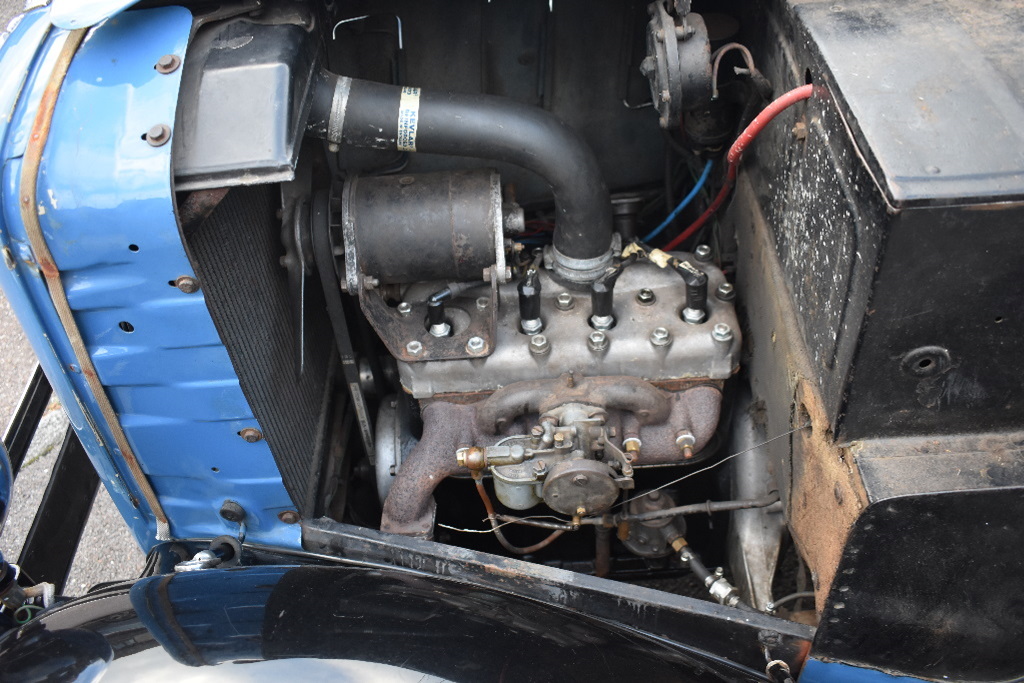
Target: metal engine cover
x,y
692,353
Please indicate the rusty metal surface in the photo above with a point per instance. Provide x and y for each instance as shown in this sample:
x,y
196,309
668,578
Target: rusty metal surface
x,y
48,267
198,205
819,481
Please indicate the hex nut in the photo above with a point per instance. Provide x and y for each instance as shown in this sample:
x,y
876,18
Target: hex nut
x,y
702,253
539,344
251,434
187,284
597,341
726,292
476,345
289,517
661,337
482,303
721,332
158,135
414,348
645,297
405,308
167,64
564,301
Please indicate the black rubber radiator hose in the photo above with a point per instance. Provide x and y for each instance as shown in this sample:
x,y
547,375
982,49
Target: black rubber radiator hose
x,y
379,116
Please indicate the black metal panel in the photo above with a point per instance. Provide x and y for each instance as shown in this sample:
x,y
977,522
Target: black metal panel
x,y
932,586
236,253
57,527
705,626
942,348
23,425
245,87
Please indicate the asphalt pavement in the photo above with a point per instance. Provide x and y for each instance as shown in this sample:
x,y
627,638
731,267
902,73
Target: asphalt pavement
x,y
107,550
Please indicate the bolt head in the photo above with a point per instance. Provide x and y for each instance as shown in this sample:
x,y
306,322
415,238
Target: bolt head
x,y
167,64
645,297
580,480
694,316
597,340
702,252
564,301
482,303
250,435
721,332
661,336
539,344
405,308
289,517
187,284
602,322
537,430
158,135
414,348
726,292
475,344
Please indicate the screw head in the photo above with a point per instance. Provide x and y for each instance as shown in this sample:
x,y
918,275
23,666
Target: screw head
x,y
645,297
726,292
721,332
540,467
536,430
702,252
167,64
187,284
559,438
475,344
597,340
482,303
414,348
580,480
661,337
539,344
289,517
564,301
250,435
405,308
158,135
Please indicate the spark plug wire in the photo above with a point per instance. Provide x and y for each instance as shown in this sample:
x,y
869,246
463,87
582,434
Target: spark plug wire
x,y
736,153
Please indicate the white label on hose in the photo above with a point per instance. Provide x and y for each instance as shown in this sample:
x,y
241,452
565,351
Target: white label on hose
x,y
408,119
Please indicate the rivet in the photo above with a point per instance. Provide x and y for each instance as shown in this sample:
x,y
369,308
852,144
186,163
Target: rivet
x,y
251,434
158,135
168,64
289,516
187,284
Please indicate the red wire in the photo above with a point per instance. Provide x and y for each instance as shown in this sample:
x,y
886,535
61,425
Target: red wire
x,y
736,151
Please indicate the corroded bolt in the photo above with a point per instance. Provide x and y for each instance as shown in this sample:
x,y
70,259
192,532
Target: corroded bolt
x,y
414,348
726,292
539,345
564,301
168,64
475,344
540,467
289,517
597,340
721,332
686,441
537,430
251,434
187,284
702,252
405,308
559,439
661,337
158,135
645,297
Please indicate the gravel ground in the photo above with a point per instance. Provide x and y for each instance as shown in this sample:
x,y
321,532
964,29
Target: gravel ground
x,y
107,550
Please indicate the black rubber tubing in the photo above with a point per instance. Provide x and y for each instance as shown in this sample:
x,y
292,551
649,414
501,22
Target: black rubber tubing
x,y
484,127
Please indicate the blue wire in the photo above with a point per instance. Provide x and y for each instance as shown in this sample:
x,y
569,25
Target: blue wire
x,y
682,205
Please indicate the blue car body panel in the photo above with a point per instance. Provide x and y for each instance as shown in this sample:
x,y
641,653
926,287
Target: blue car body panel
x,y
817,671
72,14
106,209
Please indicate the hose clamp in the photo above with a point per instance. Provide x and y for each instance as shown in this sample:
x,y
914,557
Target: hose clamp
x,y
583,271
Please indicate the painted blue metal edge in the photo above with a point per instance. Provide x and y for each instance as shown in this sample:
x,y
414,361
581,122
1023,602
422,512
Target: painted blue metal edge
x,y
817,671
107,214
